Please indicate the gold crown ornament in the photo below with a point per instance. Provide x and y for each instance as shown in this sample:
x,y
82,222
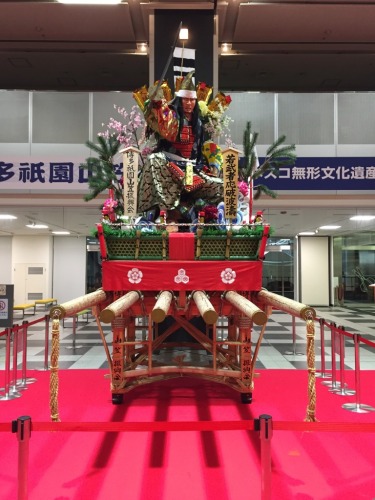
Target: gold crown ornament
x,y
204,92
220,103
141,95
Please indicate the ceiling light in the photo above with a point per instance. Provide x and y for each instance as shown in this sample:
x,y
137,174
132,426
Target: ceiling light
x,y
307,233
91,2
329,227
60,232
184,34
362,217
36,226
7,217
226,47
142,47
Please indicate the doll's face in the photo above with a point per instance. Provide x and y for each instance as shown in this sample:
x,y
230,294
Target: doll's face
x,y
188,105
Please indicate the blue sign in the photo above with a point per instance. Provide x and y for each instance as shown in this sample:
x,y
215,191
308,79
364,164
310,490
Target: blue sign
x,y
322,174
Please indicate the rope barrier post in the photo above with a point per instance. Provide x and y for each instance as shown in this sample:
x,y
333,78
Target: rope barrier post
x,y
264,425
74,330
21,384
7,394
22,426
342,390
333,383
46,341
357,407
13,385
322,373
294,353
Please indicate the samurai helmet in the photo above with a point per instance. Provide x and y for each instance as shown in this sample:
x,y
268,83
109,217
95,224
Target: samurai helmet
x,y
187,88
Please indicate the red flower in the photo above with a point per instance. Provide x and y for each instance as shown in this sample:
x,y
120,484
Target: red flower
x,y
210,213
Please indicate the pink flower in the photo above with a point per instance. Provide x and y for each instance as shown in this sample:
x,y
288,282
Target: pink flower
x,y
243,188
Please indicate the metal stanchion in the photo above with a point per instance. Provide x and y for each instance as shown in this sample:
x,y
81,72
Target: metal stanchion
x,y
342,391
22,426
294,353
46,342
322,373
22,383
357,407
8,394
13,385
333,383
265,428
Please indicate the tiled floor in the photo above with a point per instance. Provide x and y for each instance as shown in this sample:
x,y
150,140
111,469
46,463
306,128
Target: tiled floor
x,y
278,349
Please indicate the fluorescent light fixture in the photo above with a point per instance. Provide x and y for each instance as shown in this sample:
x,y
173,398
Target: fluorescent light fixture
x,y
226,47
329,227
36,226
91,2
7,217
142,47
362,217
184,34
307,233
60,232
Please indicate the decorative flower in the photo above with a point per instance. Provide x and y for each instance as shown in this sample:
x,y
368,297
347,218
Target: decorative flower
x,y
135,275
243,188
203,108
228,275
210,213
129,130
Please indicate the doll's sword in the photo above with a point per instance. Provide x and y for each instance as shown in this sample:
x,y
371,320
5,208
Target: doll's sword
x,y
160,81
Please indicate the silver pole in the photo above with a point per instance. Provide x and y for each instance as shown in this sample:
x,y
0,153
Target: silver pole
x,y
7,395
357,407
13,384
342,391
21,384
333,384
322,373
46,342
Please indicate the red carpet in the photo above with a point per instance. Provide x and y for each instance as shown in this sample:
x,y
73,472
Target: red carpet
x,y
191,465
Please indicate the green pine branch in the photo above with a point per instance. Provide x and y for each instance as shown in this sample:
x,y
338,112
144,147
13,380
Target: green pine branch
x,y
102,173
277,155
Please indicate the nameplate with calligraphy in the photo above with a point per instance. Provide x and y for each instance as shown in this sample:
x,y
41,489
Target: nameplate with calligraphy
x,y
130,159
230,181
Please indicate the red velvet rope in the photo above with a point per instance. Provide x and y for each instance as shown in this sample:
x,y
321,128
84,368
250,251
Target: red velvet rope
x,y
247,425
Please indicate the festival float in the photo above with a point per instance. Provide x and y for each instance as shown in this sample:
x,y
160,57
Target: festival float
x,y
181,249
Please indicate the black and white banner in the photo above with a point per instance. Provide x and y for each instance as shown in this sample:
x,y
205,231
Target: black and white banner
x,y
183,61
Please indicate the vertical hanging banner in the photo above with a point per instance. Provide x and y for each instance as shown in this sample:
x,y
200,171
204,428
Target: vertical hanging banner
x,y
230,180
183,63
130,157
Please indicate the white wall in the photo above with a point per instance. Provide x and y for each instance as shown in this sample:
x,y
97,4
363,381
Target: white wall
x,y
6,277
34,250
69,268
314,271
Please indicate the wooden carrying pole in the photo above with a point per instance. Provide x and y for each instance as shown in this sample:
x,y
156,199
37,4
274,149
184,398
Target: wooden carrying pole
x,y
161,307
287,305
78,304
308,314
120,305
205,308
257,316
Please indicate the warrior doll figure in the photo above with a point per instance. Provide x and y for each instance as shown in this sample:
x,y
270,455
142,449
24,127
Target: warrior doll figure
x,y
164,181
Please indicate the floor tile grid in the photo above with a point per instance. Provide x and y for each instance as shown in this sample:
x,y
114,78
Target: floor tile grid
x,y
278,350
